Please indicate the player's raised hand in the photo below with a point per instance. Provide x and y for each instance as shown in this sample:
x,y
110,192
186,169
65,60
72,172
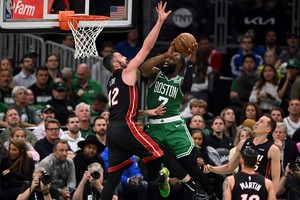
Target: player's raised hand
x,y
160,9
171,49
192,55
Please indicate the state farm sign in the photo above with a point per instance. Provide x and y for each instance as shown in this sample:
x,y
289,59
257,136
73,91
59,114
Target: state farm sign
x,y
28,9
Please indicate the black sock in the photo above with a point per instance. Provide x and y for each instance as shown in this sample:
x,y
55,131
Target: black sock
x,y
161,178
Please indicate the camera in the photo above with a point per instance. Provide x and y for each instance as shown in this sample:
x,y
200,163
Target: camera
x,y
293,166
95,175
45,178
95,169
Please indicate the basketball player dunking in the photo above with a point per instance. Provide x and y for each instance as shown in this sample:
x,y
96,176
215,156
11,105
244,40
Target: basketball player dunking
x,y
268,159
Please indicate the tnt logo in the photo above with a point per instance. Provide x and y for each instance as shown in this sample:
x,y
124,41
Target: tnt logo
x,y
182,17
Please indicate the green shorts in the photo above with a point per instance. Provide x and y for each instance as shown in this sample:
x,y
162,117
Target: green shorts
x,y
173,135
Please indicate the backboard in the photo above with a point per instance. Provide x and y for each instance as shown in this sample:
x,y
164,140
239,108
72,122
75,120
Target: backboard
x,y
42,15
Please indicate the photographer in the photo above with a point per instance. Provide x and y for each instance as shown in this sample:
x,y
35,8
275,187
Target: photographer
x,y
91,184
290,181
60,168
40,187
90,148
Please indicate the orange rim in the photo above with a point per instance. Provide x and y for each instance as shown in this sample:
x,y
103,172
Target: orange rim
x,y
67,16
87,18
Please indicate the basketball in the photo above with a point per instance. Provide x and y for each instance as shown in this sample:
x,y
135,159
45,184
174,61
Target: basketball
x,y
183,42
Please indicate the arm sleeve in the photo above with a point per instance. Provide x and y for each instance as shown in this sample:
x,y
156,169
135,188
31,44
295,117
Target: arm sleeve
x,y
124,178
253,95
45,163
34,153
235,66
71,182
295,91
198,87
188,79
31,137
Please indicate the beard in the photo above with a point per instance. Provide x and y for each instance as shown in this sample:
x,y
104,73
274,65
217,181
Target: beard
x,y
168,70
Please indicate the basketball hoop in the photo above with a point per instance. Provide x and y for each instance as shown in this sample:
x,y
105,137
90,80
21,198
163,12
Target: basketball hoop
x,y
85,29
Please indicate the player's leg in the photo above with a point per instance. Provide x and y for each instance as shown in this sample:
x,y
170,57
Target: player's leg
x,y
190,164
113,180
119,153
153,168
150,153
167,136
180,142
177,170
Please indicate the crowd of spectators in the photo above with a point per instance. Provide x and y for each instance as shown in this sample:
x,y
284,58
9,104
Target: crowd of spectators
x,y
54,119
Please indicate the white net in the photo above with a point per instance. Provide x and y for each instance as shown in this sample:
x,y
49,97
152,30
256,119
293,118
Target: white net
x,y
85,33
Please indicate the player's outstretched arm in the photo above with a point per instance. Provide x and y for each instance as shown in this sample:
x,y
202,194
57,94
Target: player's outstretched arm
x,y
274,155
230,166
150,39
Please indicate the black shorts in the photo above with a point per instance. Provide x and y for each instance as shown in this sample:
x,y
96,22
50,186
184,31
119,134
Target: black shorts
x,y
124,139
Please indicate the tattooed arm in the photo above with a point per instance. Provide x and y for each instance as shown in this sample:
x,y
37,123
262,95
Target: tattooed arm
x,y
227,188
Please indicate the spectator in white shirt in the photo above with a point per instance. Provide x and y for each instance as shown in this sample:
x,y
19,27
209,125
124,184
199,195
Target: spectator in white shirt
x,y
73,135
292,122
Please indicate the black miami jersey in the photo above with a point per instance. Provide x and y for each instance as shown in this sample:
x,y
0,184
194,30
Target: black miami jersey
x,y
263,164
123,99
249,187
124,138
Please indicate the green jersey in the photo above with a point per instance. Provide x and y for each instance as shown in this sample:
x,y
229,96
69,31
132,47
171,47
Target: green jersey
x,y
91,89
167,92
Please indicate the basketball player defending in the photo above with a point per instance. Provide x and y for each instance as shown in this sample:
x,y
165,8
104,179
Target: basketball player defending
x,y
124,137
268,159
248,184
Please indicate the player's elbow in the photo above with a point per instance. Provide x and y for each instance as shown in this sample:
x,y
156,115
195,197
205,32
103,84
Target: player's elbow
x,y
145,73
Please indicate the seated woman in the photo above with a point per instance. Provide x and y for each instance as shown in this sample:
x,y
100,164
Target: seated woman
x,y
19,135
249,111
16,169
218,139
230,123
205,154
264,93
208,155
